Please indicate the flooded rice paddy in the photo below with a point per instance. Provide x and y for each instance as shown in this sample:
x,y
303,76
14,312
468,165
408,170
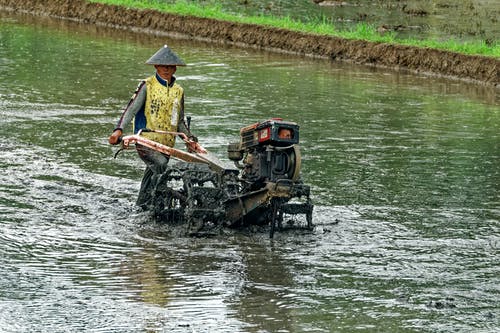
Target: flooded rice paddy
x,y
404,172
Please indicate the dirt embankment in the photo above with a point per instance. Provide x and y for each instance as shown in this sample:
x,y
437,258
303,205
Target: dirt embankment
x,y
479,69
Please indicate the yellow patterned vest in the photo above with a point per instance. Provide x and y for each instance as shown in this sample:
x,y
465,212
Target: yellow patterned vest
x,y
162,109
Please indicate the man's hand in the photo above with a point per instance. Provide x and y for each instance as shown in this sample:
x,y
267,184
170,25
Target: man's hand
x,y
114,139
194,146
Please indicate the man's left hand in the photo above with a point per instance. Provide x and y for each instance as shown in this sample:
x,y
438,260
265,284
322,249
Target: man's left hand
x,y
194,146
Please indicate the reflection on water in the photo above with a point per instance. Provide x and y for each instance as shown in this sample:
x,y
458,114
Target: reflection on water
x,y
404,171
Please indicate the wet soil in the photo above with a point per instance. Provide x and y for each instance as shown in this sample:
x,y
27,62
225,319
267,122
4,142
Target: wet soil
x,y
480,69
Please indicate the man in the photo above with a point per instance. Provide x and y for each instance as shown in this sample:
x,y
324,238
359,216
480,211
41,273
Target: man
x,y
157,104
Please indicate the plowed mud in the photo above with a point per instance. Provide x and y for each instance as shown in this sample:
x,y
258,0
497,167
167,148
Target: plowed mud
x,y
479,69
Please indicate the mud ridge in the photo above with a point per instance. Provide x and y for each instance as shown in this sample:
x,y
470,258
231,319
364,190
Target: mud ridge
x,y
479,69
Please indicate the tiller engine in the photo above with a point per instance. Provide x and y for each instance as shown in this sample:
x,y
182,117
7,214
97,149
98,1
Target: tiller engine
x,y
263,189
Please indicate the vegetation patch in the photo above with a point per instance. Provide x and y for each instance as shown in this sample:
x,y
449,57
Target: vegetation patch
x,y
362,31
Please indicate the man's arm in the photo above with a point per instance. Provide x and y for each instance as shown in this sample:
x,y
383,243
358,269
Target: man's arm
x,y
134,105
182,127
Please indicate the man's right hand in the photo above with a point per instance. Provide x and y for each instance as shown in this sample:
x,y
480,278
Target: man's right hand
x,y
114,139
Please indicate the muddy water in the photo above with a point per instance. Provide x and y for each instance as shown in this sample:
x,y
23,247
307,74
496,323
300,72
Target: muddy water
x,y
404,171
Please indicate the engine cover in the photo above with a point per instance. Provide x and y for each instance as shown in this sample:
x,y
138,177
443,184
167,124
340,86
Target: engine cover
x,y
275,131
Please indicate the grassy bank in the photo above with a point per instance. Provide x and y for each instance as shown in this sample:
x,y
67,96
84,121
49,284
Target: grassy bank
x,y
361,31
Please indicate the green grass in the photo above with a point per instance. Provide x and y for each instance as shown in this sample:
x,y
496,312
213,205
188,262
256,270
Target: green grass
x,y
362,31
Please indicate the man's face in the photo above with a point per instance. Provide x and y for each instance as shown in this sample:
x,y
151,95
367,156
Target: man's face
x,y
165,72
